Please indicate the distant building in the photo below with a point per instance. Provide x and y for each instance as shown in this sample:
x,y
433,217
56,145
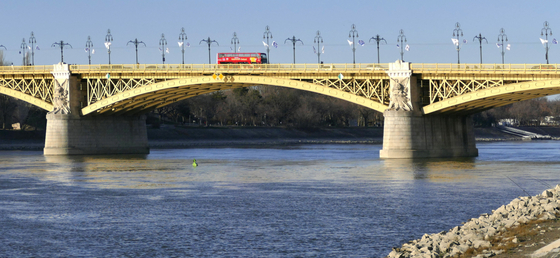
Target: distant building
x,y
508,122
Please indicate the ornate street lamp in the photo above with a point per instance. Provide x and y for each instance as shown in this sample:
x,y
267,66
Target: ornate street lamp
x,y
23,48
319,40
61,44
378,39
32,41
182,38
234,41
480,38
457,32
108,39
268,35
209,42
402,39
501,38
545,31
136,43
294,40
89,45
353,34
163,45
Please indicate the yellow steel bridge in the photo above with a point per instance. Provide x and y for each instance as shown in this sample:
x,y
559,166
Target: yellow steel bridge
x,y
129,89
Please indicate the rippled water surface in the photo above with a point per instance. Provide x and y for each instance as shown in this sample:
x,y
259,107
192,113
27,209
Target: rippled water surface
x,y
309,200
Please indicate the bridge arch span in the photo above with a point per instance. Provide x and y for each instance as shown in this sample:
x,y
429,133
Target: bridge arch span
x,y
27,98
475,102
167,92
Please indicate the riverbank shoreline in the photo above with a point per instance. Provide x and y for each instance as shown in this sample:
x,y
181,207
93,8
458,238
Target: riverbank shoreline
x,y
174,137
518,229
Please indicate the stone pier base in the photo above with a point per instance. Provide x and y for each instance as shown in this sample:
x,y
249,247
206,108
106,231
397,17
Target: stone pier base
x,y
74,135
412,135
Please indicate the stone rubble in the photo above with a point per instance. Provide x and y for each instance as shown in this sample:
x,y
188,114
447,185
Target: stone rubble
x,y
477,231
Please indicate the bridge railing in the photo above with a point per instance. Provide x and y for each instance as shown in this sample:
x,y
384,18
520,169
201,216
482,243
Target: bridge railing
x,y
27,69
486,68
233,68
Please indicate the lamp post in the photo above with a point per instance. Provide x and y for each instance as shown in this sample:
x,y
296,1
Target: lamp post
x,y
163,45
319,40
402,39
32,41
136,43
546,31
480,38
61,44
23,47
209,42
89,45
294,40
234,41
3,47
353,34
501,38
182,38
108,39
268,35
378,39
458,32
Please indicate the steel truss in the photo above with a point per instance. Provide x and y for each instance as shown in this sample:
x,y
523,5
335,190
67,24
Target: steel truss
x,y
39,88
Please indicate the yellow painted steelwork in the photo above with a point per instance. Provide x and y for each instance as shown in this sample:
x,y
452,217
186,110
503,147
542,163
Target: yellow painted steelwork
x,y
129,89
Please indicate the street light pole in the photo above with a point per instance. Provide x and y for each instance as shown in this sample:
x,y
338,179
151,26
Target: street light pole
x,y
61,44
182,38
480,38
402,39
163,44
136,43
209,42
234,41
23,47
353,34
501,38
458,32
32,41
318,39
378,39
89,45
108,39
546,31
268,35
294,40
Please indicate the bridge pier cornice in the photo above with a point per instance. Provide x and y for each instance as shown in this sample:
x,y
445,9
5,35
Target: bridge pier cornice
x,y
70,133
408,133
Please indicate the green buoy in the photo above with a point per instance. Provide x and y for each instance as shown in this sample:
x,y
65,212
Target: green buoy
x,y
194,164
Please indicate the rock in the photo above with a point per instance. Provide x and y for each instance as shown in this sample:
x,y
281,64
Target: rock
x,y
547,193
481,244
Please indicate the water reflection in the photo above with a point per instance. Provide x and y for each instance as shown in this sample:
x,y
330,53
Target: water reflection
x,y
436,170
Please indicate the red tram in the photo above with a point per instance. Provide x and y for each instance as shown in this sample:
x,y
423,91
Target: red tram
x,y
242,58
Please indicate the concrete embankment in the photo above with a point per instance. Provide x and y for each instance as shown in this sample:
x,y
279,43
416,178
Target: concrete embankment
x,y
169,136
489,234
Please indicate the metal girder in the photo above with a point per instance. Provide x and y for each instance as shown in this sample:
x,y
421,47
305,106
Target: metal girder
x,y
125,96
37,90
474,101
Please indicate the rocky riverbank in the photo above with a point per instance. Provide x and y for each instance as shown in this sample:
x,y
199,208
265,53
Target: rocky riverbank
x,y
490,234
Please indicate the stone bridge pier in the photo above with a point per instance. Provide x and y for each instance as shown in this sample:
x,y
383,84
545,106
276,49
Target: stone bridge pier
x,y
408,133
70,133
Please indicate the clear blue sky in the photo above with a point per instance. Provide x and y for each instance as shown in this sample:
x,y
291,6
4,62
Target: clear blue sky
x,y
428,26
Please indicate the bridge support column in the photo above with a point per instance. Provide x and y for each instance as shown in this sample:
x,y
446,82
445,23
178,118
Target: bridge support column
x,y
408,133
69,133
413,135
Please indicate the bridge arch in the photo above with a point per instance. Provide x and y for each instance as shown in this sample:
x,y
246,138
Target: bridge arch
x,y
27,98
167,92
481,100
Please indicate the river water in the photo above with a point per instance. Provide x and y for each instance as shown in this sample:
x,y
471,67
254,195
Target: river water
x,y
308,200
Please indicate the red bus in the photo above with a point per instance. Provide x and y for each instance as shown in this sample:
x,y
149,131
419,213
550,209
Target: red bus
x,y
242,58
